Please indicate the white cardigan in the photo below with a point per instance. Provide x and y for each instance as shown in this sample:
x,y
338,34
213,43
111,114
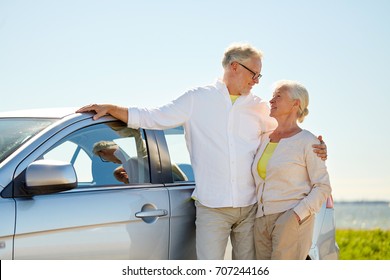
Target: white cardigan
x,y
296,177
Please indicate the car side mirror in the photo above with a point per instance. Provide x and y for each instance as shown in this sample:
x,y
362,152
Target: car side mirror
x,y
49,176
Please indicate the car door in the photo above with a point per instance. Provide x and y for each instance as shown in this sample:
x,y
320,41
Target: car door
x,y
7,210
102,218
179,180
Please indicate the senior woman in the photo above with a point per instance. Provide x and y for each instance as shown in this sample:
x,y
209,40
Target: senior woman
x,y
292,182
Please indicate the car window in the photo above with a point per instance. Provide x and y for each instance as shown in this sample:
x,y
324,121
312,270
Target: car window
x,y
105,154
16,131
180,158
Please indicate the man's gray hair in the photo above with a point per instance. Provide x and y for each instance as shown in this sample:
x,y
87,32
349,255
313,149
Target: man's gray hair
x,y
240,52
102,145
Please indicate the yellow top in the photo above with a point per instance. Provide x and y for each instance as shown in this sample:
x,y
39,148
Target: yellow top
x,y
233,98
265,157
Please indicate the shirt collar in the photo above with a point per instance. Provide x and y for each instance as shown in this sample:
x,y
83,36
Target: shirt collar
x,y
120,155
221,86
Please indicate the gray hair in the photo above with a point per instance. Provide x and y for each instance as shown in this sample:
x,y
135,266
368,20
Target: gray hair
x,y
240,52
297,92
103,145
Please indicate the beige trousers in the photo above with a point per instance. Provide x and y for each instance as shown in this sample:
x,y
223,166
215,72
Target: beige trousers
x,y
215,225
281,237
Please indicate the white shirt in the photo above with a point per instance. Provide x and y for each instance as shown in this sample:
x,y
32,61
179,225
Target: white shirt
x,y
222,140
124,159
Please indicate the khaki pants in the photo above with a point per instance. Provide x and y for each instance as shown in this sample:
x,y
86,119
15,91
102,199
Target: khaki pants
x,y
281,237
215,225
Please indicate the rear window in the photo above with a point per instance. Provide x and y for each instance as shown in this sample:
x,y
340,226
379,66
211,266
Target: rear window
x,y
16,131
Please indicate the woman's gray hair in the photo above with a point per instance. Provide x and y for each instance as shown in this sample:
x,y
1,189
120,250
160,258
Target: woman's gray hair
x,y
240,52
297,92
103,145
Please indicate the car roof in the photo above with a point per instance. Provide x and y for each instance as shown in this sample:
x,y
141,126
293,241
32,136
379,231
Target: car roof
x,y
55,113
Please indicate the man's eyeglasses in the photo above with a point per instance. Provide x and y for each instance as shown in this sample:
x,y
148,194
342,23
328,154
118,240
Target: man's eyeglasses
x,y
103,159
255,75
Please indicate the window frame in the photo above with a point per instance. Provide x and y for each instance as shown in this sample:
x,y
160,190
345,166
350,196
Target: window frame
x,y
59,132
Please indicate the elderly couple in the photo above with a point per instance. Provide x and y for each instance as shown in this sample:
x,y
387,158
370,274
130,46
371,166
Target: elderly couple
x,y
259,177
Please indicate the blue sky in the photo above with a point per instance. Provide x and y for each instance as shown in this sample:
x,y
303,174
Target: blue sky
x,y
145,53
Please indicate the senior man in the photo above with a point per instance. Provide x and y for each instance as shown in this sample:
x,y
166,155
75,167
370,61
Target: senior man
x,y
224,123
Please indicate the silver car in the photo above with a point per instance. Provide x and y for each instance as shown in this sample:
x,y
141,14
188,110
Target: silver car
x,y
63,197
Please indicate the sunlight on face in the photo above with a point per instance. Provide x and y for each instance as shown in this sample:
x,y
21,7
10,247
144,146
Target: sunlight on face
x,y
249,74
281,103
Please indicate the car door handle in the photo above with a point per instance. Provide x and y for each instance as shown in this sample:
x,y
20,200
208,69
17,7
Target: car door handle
x,y
152,213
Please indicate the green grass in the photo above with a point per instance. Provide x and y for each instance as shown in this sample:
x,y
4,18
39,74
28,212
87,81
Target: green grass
x,y
363,244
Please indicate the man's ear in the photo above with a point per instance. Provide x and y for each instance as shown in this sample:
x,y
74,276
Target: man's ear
x,y
233,66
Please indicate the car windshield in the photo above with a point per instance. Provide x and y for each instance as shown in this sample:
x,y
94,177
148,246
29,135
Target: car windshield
x,y
16,131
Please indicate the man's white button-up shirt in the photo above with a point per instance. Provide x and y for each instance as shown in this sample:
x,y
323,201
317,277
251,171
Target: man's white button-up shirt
x,y
222,139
